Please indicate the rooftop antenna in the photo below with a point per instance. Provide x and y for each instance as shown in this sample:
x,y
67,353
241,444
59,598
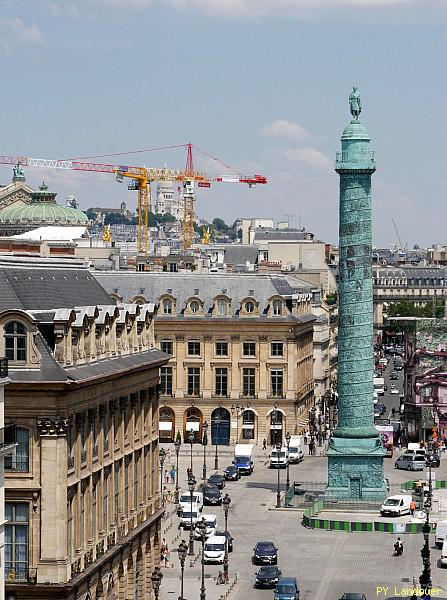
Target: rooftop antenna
x,y
289,218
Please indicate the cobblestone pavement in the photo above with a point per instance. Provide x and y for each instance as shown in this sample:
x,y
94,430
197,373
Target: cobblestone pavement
x,y
325,563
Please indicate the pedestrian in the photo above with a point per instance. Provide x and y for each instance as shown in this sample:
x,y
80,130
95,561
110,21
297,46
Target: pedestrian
x,y
166,476
264,444
311,447
188,473
168,454
412,507
164,554
172,474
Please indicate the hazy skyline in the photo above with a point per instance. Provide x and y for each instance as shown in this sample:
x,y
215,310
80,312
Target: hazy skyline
x,y
262,84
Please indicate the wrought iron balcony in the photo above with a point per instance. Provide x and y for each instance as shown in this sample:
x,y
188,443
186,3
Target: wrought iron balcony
x,y
8,439
70,462
351,160
19,574
3,368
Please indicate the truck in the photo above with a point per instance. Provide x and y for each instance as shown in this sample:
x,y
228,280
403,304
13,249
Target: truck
x,y
279,459
379,385
296,453
243,458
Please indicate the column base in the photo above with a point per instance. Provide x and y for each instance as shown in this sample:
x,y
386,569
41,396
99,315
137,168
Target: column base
x,y
355,469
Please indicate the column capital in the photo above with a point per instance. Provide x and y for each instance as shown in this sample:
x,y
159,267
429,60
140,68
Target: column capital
x,y
52,426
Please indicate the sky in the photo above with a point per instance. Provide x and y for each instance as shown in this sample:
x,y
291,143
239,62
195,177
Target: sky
x,y
261,84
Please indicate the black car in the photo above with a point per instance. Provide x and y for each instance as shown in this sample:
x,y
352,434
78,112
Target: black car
x,y
232,473
381,407
394,375
229,539
435,461
211,494
351,596
267,576
265,553
217,480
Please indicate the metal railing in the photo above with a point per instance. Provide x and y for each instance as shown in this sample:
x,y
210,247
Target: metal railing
x,y
367,156
8,436
3,368
19,574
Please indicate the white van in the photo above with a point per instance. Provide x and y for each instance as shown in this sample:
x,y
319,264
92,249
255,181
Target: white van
x,y
185,500
441,533
444,554
214,551
296,453
187,517
279,459
211,526
395,506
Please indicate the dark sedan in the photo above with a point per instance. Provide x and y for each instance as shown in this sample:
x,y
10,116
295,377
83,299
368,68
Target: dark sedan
x,y
352,596
380,407
267,576
217,480
229,539
394,375
265,553
435,461
232,473
211,494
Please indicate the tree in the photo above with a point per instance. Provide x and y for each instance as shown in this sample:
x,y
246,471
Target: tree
x,y
115,219
166,218
91,216
220,224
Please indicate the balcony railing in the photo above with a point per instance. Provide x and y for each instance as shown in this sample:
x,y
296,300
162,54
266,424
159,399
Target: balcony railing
x,y
70,462
355,158
8,439
20,575
3,368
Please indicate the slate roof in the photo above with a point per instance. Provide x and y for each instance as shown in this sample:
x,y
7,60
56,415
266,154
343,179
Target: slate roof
x,y
280,235
45,288
184,286
241,254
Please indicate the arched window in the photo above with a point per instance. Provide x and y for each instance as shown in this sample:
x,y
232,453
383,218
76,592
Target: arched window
x,y
167,307
15,341
249,307
222,307
277,308
19,459
194,306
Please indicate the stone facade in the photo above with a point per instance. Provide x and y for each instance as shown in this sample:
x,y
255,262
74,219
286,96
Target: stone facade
x,y
82,491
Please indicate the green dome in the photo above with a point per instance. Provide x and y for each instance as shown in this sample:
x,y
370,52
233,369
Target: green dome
x,y
355,131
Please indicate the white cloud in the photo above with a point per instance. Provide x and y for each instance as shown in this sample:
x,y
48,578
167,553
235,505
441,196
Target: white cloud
x,y
66,10
14,31
283,128
308,156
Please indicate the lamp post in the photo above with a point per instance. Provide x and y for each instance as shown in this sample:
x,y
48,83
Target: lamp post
x,y
226,501
156,578
205,443
238,410
191,436
218,421
425,578
288,437
278,491
191,487
182,552
201,527
162,456
177,445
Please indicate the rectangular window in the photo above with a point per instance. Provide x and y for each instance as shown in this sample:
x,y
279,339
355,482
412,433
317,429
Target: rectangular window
x,y
105,431
249,348
277,349
248,382
193,381
153,451
145,469
277,307
94,512
117,491
221,382
221,348
166,381
193,348
81,520
126,486
19,459
136,467
105,502
276,379
16,541
70,527
166,346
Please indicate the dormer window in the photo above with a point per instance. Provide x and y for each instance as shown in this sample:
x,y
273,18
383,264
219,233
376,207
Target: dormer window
x,y
249,307
15,341
194,306
221,307
167,307
277,308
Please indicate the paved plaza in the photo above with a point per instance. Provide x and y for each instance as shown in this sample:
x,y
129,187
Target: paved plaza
x,y
326,563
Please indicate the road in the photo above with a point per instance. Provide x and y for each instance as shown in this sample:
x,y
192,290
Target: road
x,y
326,563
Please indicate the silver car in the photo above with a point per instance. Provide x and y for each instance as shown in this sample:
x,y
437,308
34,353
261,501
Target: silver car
x,y
410,463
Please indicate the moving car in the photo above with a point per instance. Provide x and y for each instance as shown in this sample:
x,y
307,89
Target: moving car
x,y
410,462
211,494
287,589
229,539
231,473
435,461
185,500
296,453
243,458
394,389
214,550
217,479
279,459
351,596
394,375
383,361
211,526
265,553
381,407
443,559
395,506
441,533
267,576
187,515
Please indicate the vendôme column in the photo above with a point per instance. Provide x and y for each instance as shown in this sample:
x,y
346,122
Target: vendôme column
x,y
355,453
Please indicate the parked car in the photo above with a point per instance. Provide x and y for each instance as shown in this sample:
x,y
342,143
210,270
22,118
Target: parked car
x,y
394,375
211,494
351,596
267,576
435,461
214,550
265,553
229,539
232,473
381,407
217,480
188,517
185,500
409,463
383,361
394,389
287,589
211,526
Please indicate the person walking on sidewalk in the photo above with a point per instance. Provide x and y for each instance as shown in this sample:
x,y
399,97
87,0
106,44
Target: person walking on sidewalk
x,y
264,444
172,474
412,507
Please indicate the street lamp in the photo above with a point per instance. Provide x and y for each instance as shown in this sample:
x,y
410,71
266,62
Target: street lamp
x,y
218,421
238,410
278,491
226,501
156,578
162,456
191,487
288,438
201,528
191,436
425,578
205,443
182,552
177,445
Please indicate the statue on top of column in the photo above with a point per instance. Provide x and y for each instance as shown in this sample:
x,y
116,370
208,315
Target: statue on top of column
x,y
355,103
